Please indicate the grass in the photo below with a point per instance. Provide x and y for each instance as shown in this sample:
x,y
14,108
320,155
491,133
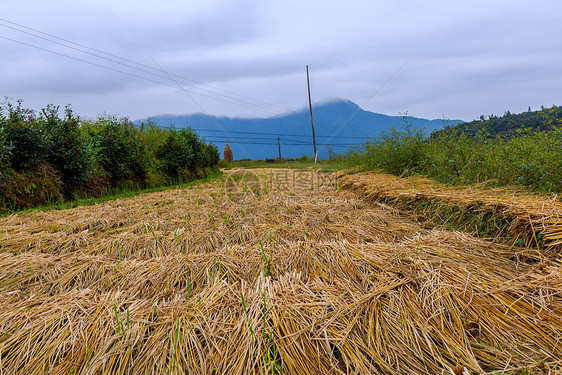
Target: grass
x,y
337,285
118,194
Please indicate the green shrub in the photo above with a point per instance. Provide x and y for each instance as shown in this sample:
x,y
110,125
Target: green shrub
x,y
222,163
28,146
118,149
457,158
533,160
182,149
5,149
305,159
152,137
395,151
68,152
210,156
26,141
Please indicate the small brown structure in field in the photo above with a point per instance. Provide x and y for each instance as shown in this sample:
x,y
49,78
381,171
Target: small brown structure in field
x,y
227,153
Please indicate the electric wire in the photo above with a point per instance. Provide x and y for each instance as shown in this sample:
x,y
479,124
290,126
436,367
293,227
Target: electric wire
x,y
85,61
276,134
265,109
286,144
296,143
248,105
285,141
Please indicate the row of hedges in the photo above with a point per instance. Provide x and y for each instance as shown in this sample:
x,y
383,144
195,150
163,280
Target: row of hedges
x,y
528,158
47,157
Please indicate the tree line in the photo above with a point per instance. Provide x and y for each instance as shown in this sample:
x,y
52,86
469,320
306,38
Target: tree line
x,y
510,125
47,157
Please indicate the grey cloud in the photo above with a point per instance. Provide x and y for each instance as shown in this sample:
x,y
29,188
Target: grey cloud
x,y
469,58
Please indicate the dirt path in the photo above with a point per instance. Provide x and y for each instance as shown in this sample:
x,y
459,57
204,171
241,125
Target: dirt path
x,y
267,271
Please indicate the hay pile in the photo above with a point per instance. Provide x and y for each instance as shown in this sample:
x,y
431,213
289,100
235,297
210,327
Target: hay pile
x,y
518,216
193,281
227,153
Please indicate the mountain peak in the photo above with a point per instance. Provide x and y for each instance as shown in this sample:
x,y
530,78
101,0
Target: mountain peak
x,y
338,124
336,102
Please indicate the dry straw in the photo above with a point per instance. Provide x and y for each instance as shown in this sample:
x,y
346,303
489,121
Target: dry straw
x,y
191,281
520,217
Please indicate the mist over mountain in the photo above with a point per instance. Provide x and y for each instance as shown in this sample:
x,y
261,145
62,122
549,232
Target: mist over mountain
x,y
338,124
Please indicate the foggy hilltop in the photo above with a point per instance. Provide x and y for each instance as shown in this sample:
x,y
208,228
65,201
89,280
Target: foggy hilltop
x,y
339,124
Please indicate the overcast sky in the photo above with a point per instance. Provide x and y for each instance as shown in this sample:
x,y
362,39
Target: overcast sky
x,y
457,59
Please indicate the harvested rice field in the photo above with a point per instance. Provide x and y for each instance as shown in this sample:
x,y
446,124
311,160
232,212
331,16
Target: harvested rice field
x,y
281,272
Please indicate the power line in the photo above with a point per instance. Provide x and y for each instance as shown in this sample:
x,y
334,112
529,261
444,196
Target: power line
x,y
120,71
222,97
273,137
286,144
84,61
185,91
98,65
140,64
197,103
283,143
144,71
277,134
273,140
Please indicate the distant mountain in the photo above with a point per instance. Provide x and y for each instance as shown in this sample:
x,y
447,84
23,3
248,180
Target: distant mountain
x,y
338,125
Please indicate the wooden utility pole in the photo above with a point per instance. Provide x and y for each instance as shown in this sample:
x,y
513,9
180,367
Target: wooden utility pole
x,y
279,143
311,120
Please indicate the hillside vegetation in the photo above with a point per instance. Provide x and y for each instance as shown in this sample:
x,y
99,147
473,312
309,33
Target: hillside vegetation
x,y
527,154
46,157
509,125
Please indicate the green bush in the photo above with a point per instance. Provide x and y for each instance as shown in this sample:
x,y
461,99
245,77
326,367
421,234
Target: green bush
x,y
152,137
117,148
68,152
456,157
395,151
24,137
533,160
210,156
28,146
182,149
222,163
305,159
5,149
